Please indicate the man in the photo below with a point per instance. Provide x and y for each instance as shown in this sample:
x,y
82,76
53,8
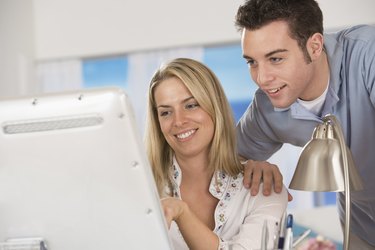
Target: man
x,y
302,76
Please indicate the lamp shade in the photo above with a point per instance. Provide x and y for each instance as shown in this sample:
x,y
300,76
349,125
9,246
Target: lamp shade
x,y
326,164
320,166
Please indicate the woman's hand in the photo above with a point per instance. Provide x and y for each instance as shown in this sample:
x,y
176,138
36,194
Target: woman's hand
x,y
173,208
196,234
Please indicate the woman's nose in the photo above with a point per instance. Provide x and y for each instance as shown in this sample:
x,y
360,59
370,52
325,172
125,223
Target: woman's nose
x,y
179,118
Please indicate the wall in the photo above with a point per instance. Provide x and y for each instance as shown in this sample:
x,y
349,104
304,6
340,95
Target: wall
x,y
37,30
16,47
70,28
343,13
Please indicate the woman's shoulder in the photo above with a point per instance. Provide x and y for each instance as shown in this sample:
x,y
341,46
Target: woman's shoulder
x,y
281,198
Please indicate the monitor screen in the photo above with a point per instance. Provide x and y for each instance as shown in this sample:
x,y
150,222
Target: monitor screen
x,y
74,174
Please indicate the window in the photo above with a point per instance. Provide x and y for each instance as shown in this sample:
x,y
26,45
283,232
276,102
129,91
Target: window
x,y
111,71
225,61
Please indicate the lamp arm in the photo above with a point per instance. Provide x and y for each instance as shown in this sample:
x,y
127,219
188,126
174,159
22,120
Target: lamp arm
x,y
338,130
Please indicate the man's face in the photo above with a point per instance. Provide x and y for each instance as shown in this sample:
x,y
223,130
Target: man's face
x,y
277,64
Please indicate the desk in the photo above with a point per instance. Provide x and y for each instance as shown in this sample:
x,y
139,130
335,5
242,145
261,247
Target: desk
x,y
322,221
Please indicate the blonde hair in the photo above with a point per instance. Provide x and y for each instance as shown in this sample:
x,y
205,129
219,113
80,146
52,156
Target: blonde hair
x,y
208,92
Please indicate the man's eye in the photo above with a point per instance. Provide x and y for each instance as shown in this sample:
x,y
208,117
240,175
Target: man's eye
x,y
275,59
251,63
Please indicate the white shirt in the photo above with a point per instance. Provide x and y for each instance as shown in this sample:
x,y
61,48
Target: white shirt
x,y
239,217
316,105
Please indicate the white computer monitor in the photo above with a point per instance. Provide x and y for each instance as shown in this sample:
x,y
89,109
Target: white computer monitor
x,y
74,174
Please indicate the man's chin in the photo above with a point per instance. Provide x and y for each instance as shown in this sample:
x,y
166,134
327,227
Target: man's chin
x,y
279,105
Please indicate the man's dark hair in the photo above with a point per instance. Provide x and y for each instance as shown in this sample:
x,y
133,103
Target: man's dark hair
x,y
304,17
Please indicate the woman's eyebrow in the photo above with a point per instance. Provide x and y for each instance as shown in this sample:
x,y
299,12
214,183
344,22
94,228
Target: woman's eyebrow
x,y
183,101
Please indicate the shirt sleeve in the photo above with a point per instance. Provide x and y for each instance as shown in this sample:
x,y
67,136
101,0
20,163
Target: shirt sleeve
x,y
261,208
255,138
369,64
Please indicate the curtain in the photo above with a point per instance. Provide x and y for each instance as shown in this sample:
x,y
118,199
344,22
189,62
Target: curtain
x,y
141,68
61,75
286,159
65,75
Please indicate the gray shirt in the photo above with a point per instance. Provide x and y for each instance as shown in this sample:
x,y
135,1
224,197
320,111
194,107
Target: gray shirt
x,y
351,98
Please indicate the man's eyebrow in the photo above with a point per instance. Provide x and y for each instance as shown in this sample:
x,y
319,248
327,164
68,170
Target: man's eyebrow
x,y
275,52
269,54
246,57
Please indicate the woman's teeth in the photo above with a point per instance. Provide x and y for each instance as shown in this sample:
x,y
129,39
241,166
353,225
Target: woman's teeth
x,y
186,134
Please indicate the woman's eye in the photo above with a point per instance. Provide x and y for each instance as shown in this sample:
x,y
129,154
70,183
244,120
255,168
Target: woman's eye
x,y
192,105
164,113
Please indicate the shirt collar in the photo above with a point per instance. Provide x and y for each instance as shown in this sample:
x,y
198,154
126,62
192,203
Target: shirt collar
x,y
218,185
334,56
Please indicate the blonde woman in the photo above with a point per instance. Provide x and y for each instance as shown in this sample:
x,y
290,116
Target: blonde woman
x,y
191,146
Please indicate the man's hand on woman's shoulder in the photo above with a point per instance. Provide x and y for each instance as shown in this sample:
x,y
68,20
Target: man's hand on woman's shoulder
x,y
256,172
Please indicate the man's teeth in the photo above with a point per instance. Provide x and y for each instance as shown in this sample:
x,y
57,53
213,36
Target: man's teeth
x,y
272,91
186,134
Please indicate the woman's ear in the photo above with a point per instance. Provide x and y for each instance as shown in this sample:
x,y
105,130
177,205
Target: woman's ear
x,y
315,46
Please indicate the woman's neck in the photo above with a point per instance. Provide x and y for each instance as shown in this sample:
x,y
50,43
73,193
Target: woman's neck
x,y
195,169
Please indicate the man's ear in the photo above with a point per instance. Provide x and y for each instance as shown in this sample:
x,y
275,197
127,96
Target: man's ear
x,y
315,46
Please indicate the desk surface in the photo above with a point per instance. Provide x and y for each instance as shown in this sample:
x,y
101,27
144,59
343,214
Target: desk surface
x,y
322,221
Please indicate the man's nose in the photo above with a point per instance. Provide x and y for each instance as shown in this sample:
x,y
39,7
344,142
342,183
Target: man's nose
x,y
263,75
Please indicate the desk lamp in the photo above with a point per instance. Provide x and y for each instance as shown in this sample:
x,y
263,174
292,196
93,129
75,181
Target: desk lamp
x,y
326,165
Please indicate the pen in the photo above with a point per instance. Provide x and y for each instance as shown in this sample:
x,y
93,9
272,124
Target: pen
x,y
289,233
282,231
301,237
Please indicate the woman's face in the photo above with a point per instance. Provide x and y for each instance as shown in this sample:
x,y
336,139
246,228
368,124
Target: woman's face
x,y
187,128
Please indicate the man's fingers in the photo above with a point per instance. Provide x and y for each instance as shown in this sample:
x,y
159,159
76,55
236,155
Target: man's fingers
x,y
277,179
247,175
267,181
257,174
255,182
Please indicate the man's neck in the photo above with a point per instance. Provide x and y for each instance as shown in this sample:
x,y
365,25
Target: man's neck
x,y
320,79
323,75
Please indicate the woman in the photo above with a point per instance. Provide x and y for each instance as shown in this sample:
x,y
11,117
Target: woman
x,y
191,146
